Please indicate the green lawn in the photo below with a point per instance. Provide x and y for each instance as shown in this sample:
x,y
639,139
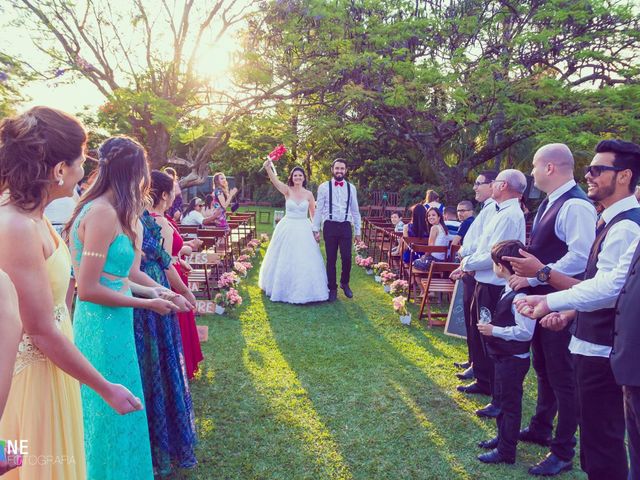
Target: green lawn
x,y
337,391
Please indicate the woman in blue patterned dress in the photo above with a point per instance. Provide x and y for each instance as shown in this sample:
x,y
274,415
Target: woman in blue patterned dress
x,y
160,356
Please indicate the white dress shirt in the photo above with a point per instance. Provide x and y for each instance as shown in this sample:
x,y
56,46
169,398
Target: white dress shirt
x,y
470,242
507,224
193,219
339,197
522,331
615,247
577,230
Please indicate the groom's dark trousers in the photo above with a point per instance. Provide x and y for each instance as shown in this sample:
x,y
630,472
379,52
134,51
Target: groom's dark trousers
x,y
337,235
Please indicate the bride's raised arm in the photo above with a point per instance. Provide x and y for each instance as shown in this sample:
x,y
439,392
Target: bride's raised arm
x,y
281,186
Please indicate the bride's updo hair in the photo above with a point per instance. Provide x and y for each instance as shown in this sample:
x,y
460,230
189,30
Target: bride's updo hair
x,y
294,170
31,145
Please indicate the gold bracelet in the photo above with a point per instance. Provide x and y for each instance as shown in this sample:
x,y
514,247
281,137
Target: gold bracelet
x,y
93,254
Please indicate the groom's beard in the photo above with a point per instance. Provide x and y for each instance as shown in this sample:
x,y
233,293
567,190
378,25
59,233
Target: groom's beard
x,y
338,177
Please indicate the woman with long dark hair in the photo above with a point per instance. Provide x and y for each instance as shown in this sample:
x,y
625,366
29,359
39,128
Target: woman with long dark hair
x,y
174,245
418,227
106,237
293,269
159,344
222,198
41,159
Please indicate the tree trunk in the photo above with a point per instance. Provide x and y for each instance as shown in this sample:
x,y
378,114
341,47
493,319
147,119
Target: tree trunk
x,y
157,143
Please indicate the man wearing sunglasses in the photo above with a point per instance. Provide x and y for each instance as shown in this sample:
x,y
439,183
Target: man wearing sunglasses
x,y
611,178
561,238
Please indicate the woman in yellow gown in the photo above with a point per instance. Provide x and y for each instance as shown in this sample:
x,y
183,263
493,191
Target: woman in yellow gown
x,y
41,158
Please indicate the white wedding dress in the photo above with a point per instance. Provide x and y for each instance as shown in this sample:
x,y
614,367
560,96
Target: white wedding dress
x,y
293,269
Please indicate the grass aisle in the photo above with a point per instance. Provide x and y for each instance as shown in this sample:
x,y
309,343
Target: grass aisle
x,y
337,391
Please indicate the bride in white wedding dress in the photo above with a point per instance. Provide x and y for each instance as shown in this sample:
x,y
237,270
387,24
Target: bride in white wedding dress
x,y
293,269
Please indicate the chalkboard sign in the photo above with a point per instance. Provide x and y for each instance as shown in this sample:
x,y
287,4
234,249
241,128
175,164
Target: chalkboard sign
x,y
456,326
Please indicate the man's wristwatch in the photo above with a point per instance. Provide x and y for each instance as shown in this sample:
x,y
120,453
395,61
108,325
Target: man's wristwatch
x,y
543,274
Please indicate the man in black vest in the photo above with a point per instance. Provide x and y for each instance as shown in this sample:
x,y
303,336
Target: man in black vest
x,y
337,206
562,235
612,176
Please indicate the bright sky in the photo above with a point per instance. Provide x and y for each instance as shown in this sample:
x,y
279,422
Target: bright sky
x,y
213,59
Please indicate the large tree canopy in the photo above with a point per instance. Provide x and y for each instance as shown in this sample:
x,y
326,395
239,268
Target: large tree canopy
x,y
450,85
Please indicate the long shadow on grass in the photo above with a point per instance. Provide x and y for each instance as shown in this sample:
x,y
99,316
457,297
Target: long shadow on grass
x,y
368,392
246,417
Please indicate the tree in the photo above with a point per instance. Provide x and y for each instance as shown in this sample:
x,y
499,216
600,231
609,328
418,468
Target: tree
x,y
143,60
456,84
12,78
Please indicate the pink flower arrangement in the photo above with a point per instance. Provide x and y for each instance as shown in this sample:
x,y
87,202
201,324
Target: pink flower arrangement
x,y
400,305
253,243
361,248
247,265
387,277
264,238
240,268
248,252
366,262
228,279
233,298
243,258
380,267
400,287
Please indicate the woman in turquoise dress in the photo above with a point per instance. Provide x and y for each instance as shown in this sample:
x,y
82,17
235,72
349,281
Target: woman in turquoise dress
x,y
105,238
159,344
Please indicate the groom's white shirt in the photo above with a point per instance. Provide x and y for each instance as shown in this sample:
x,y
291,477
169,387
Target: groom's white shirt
x,y
339,195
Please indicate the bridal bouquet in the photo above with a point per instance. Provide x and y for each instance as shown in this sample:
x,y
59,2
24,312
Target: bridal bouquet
x,y
275,154
399,287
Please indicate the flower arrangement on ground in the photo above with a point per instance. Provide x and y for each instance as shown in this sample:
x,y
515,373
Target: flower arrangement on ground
x,y
240,269
366,263
399,287
361,248
228,280
387,278
264,238
227,300
248,252
400,307
378,268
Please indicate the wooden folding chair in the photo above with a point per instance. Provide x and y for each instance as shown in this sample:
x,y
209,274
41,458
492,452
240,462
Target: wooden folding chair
x,y
419,274
437,281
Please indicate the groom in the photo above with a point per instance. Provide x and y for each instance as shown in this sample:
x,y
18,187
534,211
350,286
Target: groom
x,y
337,206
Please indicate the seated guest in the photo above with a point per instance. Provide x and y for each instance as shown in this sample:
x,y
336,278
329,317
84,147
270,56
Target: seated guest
x,y
396,221
451,221
432,199
416,228
507,339
193,214
438,237
465,215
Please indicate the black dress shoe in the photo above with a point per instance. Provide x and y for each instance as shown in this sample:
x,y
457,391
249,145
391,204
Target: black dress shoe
x,y
551,466
466,375
489,444
472,389
488,411
526,435
347,291
494,456
462,365
333,295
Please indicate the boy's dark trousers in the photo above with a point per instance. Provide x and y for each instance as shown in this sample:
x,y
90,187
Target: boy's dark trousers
x,y
509,377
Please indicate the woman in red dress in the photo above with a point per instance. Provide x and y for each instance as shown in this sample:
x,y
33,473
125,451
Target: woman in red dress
x,y
188,330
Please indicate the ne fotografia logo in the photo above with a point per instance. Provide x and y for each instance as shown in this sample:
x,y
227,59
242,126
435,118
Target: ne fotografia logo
x,y
18,451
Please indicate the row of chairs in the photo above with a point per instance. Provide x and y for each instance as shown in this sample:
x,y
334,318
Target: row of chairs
x,y
385,244
221,247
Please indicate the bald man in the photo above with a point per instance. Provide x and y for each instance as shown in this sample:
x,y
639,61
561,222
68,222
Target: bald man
x,y
563,232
